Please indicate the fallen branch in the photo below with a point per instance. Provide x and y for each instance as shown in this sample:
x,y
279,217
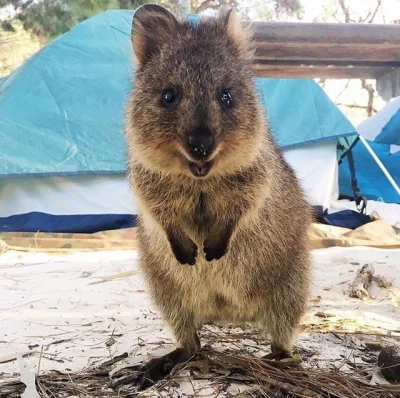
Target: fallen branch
x,y
362,282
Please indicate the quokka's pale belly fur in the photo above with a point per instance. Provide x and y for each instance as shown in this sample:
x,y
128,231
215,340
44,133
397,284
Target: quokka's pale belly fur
x,y
213,291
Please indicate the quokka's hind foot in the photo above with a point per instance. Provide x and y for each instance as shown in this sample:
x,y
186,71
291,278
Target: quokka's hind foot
x,y
278,353
282,359
283,315
149,373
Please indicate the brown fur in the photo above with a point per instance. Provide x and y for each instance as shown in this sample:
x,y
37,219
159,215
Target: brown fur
x,y
249,210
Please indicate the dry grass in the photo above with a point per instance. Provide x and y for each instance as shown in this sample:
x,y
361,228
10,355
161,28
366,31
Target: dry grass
x,y
264,378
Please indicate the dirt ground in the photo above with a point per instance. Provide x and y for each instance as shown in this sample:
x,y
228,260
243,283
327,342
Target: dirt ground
x,y
69,311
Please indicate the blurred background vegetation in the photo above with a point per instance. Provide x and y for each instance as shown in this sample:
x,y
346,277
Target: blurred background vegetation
x,y
27,25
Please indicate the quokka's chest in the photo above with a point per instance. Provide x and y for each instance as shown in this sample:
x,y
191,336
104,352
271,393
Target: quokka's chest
x,y
202,214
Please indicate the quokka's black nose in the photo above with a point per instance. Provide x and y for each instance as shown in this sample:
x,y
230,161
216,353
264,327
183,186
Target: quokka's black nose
x,y
200,144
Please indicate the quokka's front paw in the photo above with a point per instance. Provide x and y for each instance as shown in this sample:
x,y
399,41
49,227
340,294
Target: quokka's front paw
x,y
214,250
185,252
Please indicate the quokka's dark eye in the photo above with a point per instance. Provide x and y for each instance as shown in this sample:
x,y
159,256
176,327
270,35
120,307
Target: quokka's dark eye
x,y
168,98
226,99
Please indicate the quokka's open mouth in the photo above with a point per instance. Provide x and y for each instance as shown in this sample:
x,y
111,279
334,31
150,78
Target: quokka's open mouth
x,y
200,168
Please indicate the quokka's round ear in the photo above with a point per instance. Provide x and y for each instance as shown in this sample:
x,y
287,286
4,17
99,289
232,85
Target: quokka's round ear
x,y
226,12
152,26
241,34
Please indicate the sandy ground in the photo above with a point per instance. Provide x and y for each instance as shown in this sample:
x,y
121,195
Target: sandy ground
x,y
68,311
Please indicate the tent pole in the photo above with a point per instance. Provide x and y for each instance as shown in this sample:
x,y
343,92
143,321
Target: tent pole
x,y
380,164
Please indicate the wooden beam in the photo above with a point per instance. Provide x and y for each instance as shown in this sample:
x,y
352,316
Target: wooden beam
x,y
302,32
313,71
330,50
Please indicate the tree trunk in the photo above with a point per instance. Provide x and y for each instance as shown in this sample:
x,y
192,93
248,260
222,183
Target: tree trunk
x,y
371,91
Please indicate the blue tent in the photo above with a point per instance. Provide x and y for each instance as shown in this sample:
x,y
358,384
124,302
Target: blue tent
x,y
382,133
62,111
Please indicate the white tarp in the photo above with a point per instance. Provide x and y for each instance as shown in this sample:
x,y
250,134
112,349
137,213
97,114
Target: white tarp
x,y
315,165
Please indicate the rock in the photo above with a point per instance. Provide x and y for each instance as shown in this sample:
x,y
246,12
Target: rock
x,y
381,281
389,363
374,345
323,315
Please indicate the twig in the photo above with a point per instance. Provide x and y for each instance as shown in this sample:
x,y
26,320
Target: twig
x,y
376,11
345,11
346,86
356,106
42,390
40,360
113,360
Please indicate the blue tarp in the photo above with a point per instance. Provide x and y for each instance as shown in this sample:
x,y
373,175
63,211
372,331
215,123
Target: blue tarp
x,y
62,111
89,223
